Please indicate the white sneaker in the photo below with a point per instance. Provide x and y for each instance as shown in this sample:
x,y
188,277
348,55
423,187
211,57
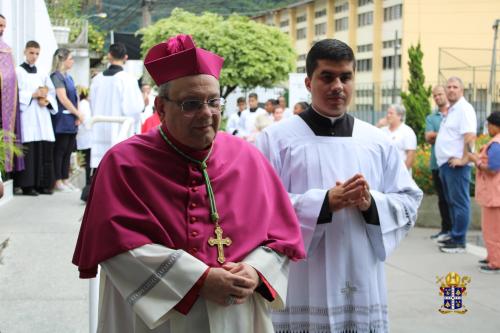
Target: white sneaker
x,y
443,237
62,188
70,186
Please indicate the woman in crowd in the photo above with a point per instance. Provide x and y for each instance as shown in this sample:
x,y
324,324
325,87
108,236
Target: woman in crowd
x,y
66,120
488,193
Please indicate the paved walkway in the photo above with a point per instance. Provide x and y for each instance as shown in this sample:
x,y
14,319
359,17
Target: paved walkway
x,y
40,290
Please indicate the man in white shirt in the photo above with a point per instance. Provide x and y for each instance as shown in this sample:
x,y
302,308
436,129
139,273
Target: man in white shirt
x,y
456,137
113,92
401,134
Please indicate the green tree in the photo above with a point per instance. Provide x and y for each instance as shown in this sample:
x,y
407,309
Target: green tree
x,y
254,54
72,10
416,100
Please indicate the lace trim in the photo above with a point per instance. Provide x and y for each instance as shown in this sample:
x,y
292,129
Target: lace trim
x,y
153,279
342,327
323,311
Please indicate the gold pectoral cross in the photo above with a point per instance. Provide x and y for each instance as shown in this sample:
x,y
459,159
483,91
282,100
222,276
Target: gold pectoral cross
x,y
220,242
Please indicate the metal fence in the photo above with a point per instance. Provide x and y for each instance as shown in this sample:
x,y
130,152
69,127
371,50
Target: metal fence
x,y
370,107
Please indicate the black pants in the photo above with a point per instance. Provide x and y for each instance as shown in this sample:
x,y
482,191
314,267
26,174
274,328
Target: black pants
x,y
64,146
444,211
39,166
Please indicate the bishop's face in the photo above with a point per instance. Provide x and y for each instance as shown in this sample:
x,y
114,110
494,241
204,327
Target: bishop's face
x,y
196,130
331,86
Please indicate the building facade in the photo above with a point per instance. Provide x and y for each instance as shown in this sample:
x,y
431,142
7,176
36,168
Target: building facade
x,y
456,38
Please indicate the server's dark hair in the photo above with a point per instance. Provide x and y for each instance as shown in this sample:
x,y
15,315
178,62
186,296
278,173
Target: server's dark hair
x,y
33,44
328,49
118,51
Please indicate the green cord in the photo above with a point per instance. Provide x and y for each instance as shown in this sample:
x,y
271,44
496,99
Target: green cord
x,y
214,216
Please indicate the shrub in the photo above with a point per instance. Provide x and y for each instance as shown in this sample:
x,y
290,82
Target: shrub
x,y
8,148
421,169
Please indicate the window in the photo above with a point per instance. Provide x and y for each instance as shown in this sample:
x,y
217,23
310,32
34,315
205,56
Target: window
x,y
364,2
301,18
301,33
364,107
342,7
284,23
320,29
393,12
320,13
389,44
388,62
301,69
301,57
387,92
365,48
364,65
342,24
364,93
365,19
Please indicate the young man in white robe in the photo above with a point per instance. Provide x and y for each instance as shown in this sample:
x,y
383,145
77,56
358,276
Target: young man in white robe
x,y
249,117
37,101
115,93
233,122
354,198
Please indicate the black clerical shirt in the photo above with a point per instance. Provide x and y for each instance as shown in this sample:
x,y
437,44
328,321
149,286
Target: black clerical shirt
x,y
28,68
340,127
112,70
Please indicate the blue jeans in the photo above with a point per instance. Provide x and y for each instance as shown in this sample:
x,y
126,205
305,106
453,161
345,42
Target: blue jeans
x,y
456,182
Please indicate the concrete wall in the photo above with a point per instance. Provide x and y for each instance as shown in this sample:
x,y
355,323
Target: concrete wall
x,y
428,214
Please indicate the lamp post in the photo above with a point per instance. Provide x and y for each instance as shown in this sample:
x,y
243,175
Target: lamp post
x,y
85,30
493,69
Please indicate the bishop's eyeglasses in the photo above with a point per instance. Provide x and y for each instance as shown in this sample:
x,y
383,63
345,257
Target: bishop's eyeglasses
x,y
192,107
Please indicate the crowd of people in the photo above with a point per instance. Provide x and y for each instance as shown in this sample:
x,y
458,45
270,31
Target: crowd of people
x,y
451,130
56,118
247,123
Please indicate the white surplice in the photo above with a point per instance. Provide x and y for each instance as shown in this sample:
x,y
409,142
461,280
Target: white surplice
x,y
247,121
140,288
36,123
340,287
116,95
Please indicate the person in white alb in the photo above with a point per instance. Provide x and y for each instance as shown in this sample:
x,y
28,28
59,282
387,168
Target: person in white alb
x,y
353,196
37,101
401,134
455,139
233,122
113,92
249,116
